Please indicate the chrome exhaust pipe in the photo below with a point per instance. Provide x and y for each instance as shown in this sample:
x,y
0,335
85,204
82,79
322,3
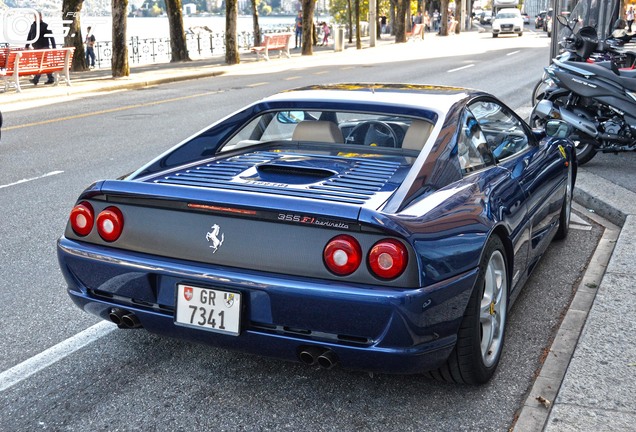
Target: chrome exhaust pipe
x,y
131,321
327,359
309,355
116,315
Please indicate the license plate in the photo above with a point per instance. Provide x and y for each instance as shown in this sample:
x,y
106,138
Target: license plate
x,y
208,309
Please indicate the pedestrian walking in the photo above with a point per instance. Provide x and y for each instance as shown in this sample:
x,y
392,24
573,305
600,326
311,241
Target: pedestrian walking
x,y
630,18
90,51
40,41
299,29
325,33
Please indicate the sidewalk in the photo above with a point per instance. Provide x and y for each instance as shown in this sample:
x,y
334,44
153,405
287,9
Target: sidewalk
x,y
588,380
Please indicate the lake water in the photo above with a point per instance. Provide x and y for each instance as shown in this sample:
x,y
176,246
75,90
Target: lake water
x,y
158,27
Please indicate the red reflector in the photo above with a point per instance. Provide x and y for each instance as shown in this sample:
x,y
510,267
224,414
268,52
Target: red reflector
x,y
342,255
388,258
82,218
110,224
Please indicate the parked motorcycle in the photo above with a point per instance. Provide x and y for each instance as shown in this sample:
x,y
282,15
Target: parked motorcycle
x,y
597,99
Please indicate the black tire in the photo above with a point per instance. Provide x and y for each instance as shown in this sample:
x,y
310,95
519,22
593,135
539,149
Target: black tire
x,y
474,359
585,148
539,89
566,208
495,35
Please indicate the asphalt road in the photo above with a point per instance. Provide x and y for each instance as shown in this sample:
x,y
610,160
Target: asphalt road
x,y
132,380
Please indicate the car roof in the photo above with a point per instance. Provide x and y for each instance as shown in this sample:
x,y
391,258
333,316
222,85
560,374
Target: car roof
x,y
429,97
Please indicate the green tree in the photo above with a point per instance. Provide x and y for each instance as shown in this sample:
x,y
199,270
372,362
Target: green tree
x,y
255,26
74,36
231,41
308,30
443,31
178,46
400,20
119,59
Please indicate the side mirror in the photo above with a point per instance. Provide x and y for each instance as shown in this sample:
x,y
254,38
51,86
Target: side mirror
x,y
290,117
562,20
558,129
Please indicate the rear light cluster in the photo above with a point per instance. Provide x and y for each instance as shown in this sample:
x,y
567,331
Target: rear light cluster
x,y
386,259
109,222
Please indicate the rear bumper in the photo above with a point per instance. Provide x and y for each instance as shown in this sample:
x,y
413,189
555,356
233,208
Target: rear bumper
x,y
380,329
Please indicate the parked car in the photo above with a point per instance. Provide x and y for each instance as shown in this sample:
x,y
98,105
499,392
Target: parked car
x,y
485,17
507,21
526,18
547,22
380,227
538,20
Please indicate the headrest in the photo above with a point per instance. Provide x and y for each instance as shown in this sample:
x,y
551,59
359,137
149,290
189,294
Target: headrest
x,y
417,134
321,131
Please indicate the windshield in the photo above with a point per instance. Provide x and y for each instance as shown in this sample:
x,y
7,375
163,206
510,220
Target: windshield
x,y
507,15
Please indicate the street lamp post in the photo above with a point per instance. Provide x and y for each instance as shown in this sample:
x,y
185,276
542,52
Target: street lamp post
x,y
373,25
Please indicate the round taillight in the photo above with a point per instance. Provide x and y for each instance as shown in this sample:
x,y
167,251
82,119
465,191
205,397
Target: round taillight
x,y
110,223
388,258
82,218
342,255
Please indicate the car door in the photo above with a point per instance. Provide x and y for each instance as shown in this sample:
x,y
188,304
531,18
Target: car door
x,y
536,167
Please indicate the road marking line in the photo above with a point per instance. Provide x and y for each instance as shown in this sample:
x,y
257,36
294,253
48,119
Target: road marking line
x,y
513,53
52,173
320,72
460,68
292,78
257,84
46,358
106,111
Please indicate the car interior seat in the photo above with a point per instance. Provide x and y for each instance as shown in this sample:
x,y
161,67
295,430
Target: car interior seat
x,y
417,134
321,131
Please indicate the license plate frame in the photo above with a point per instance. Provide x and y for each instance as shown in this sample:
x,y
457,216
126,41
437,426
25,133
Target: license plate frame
x,y
208,309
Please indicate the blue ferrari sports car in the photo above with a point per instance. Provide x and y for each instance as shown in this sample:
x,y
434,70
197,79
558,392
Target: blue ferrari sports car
x,y
379,227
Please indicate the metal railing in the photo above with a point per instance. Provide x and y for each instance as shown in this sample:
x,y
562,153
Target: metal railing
x,y
157,50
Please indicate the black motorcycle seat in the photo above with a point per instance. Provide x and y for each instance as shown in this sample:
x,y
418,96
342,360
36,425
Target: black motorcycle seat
x,y
626,81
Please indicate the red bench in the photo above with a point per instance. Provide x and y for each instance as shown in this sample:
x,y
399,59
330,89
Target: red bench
x,y
416,33
273,42
21,62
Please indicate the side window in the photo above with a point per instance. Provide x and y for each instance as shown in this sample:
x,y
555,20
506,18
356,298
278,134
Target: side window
x,y
472,147
504,133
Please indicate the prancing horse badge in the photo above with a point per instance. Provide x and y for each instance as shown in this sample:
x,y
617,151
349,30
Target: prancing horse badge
x,y
213,237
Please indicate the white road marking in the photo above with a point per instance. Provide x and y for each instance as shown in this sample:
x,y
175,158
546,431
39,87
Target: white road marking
x,y
460,68
52,173
513,53
46,358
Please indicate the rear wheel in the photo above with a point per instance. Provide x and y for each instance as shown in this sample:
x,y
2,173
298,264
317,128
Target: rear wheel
x,y
585,148
481,334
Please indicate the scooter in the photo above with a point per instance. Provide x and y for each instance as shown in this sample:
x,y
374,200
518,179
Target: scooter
x,y
596,99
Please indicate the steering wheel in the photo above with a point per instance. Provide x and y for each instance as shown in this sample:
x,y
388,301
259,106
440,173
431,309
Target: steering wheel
x,y
373,133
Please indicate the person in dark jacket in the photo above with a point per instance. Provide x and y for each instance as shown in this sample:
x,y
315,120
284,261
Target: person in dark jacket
x,y
41,40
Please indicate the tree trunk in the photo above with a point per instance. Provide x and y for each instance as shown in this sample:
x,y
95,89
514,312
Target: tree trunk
x,y
178,46
231,41
443,26
256,27
358,35
71,12
392,16
400,20
119,60
308,26
350,14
